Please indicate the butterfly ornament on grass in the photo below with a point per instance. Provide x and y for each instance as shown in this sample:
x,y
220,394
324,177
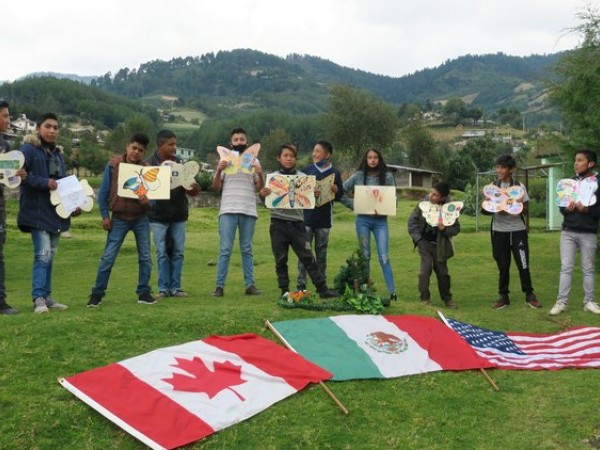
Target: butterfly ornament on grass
x,y
239,163
10,163
509,199
436,215
291,191
570,191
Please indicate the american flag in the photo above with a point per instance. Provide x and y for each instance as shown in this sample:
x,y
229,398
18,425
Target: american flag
x,y
575,347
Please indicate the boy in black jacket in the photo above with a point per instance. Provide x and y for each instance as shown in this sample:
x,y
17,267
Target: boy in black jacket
x,y
579,231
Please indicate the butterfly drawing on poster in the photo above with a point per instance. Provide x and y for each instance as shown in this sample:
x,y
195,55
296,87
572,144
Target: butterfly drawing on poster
x,y
498,199
10,163
136,181
375,200
290,191
183,175
324,188
72,194
239,163
570,191
436,215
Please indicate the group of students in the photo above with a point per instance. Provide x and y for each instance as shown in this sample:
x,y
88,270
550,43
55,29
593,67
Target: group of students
x,y
298,229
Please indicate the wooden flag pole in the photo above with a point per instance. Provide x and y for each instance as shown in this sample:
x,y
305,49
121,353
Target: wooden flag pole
x,y
339,404
489,379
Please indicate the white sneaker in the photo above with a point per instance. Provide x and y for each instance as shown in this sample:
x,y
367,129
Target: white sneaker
x,y
558,308
39,306
53,304
592,307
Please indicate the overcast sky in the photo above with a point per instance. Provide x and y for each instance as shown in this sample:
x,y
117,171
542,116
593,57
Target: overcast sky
x,y
389,37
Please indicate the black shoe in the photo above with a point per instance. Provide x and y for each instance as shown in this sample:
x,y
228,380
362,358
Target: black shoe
x,y
393,297
252,290
218,292
328,293
6,309
532,301
146,299
284,291
94,301
450,304
502,302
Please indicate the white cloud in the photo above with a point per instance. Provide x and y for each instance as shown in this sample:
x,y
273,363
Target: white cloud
x,y
389,37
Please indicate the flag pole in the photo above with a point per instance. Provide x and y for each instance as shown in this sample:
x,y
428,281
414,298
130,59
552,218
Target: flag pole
x,y
481,369
338,403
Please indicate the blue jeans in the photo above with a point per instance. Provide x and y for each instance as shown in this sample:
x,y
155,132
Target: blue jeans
x,y
114,240
169,240
228,224
379,227
321,238
45,246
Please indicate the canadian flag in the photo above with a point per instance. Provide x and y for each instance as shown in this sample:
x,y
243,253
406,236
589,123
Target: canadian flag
x,y
176,395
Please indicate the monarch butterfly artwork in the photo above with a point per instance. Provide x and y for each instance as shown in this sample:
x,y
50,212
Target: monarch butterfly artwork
x,y
291,191
445,214
151,181
498,199
570,191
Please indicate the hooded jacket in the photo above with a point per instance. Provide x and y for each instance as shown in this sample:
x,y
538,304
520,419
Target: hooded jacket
x,y
35,210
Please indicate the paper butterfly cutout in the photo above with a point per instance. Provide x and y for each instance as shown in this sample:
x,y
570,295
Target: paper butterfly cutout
x,y
572,191
70,195
183,175
10,163
498,199
291,191
445,214
236,162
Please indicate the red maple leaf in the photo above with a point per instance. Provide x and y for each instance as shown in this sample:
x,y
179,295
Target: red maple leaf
x,y
202,379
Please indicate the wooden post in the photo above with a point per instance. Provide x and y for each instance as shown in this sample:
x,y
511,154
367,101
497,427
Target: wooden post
x,y
339,404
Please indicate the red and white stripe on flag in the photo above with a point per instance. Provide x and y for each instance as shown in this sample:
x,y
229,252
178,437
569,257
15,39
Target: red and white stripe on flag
x,y
176,395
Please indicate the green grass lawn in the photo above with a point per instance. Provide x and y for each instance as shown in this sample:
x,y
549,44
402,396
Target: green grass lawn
x,y
549,410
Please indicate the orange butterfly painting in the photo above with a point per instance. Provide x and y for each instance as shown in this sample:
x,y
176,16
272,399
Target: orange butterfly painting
x,y
151,181
291,191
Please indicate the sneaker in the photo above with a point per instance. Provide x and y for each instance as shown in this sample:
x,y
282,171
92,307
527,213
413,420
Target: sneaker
x,y
146,299
558,308
179,293
218,292
328,293
450,304
94,301
502,302
6,309
426,301
252,290
532,301
284,291
592,307
39,306
162,294
393,297
53,304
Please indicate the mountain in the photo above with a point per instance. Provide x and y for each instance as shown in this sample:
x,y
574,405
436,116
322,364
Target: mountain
x,y
60,76
249,79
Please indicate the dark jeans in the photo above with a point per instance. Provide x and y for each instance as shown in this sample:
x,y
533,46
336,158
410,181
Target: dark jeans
x,y
321,238
283,235
429,263
503,244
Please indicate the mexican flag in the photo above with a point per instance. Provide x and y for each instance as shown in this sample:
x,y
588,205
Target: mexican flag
x,y
361,346
176,395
